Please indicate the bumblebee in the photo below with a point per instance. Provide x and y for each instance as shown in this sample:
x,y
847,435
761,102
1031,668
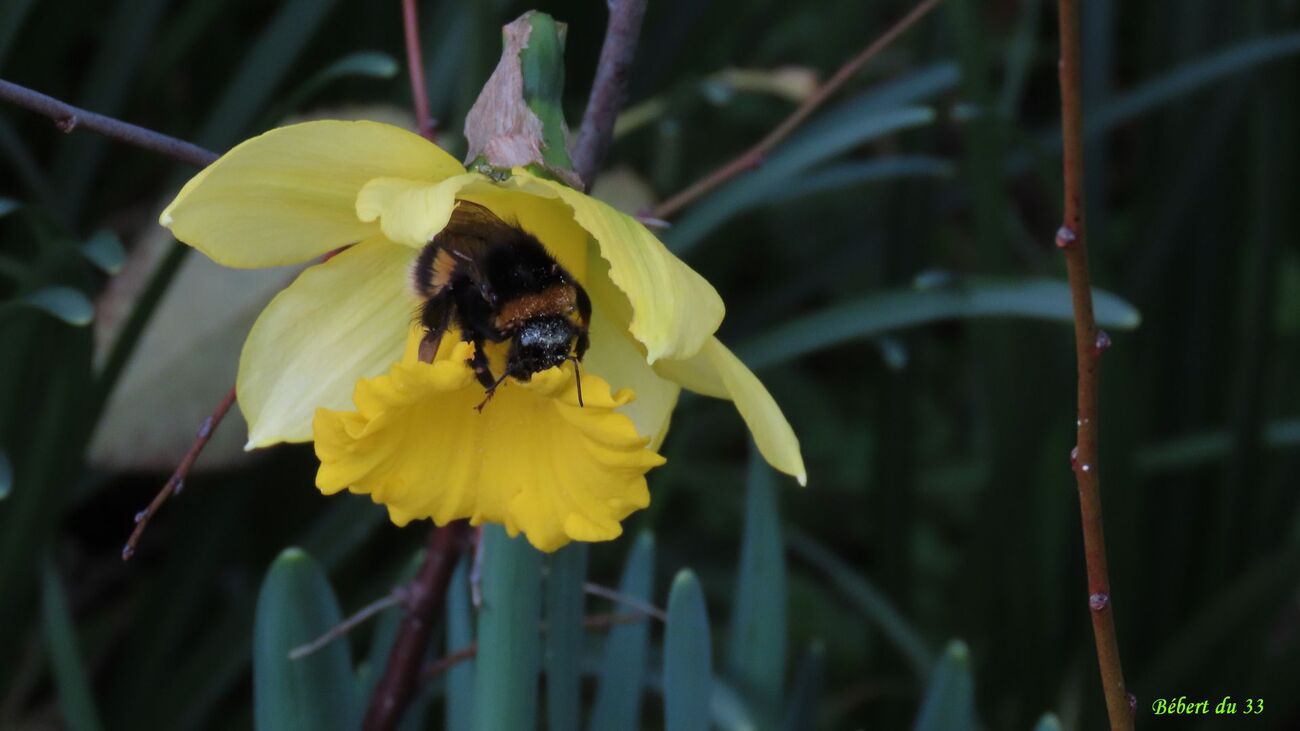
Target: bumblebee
x,y
495,282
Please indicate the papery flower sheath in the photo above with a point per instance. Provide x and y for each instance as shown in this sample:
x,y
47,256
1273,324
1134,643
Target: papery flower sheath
x,y
333,358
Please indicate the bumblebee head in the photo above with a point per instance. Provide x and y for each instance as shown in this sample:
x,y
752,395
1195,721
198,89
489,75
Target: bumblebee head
x,y
540,343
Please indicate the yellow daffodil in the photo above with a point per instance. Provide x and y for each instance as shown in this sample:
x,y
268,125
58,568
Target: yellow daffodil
x,y
334,359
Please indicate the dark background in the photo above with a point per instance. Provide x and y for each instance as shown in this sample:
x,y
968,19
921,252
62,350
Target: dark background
x,y
937,449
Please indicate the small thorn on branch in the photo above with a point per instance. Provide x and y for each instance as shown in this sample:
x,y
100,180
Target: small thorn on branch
x,y
67,124
176,482
1098,602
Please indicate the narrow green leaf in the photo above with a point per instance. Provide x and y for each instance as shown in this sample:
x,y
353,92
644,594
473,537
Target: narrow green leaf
x,y
509,639
362,64
868,599
65,303
870,316
565,611
727,710
381,644
623,667
460,635
262,70
798,155
844,175
756,645
949,703
76,701
1203,447
6,475
104,250
688,657
1049,722
805,696
295,606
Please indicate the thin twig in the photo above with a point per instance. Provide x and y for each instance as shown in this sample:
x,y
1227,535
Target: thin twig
x,y
447,662
398,595
68,118
753,157
605,592
609,88
1089,344
415,69
395,688
176,482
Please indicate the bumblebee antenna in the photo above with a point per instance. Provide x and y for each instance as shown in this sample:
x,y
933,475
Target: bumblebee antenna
x,y
490,393
577,375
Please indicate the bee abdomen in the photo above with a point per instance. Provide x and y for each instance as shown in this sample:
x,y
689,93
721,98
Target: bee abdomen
x,y
432,271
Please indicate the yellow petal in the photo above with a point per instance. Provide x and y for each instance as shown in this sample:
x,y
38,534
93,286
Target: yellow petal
x,y
674,309
412,212
290,194
338,322
620,360
532,460
715,371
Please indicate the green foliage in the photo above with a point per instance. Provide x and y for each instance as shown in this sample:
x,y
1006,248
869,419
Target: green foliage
x,y
888,270
294,607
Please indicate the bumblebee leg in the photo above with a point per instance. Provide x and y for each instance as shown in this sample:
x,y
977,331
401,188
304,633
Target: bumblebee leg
x,y
434,316
481,368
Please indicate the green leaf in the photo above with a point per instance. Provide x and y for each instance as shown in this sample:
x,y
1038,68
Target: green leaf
x,y
65,303
295,606
770,181
873,315
460,635
847,174
8,205
1205,447
362,64
868,599
509,641
6,475
877,112
805,696
565,611
105,251
756,645
949,703
76,702
1049,722
623,667
688,657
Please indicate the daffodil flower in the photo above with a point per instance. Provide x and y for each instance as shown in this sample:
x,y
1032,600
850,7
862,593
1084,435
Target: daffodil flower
x,y
333,358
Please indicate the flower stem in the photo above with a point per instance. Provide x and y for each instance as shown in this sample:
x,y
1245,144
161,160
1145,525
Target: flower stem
x,y
426,594
415,69
68,118
1089,344
753,157
609,89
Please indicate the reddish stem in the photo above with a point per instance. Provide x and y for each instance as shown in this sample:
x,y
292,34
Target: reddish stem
x,y
1089,344
415,69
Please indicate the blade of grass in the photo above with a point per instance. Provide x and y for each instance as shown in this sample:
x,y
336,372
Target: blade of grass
x,y
623,667
873,605
76,701
509,649
688,657
565,610
460,634
756,645
805,695
876,314
949,703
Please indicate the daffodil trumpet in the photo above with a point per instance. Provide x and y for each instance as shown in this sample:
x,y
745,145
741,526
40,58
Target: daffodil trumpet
x,y
336,358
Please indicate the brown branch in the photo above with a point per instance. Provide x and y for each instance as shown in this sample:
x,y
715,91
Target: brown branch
x,y
68,118
176,482
395,688
617,597
1089,344
753,157
415,69
447,662
609,88
399,595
